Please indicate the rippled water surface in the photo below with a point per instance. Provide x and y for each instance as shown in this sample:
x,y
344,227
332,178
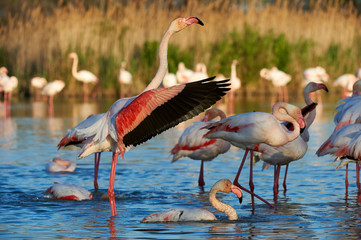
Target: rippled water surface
x,y
146,181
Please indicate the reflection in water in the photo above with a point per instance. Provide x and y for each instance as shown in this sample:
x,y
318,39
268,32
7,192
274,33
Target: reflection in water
x,y
39,109
8,133
83,110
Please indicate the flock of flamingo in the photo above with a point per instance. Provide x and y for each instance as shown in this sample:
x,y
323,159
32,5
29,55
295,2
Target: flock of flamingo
x,y
276,138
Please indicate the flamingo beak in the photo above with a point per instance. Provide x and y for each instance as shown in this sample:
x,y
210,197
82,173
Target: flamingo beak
x,y
236,190
191,20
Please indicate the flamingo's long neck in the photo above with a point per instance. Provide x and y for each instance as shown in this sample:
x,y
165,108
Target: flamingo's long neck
x,y
286,117
312,115
75,66
163,62
222,207
233,71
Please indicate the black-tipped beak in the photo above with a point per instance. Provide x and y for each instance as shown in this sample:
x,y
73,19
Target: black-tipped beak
x,y
240,200
301,130
200,22
326,89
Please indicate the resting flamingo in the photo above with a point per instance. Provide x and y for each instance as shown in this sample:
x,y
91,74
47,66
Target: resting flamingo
x,y
199,73
125,80
291,151
3,77
8,86
345,81
183,74
170,80
60,165
51,89
318,75
199,214
192,144
279,80
83,76
132,121
69,192
246,130
38,83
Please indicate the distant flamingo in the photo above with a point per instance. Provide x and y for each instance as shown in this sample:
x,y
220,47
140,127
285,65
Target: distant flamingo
x,y
348,110
183,74
235,86
199,73
3,77
192,144
199,214
246,130
69,192
125,80
279,80
170,80
345,81
60,165
8,86
291,151
317,75
83,76
132,121
38,83
51,89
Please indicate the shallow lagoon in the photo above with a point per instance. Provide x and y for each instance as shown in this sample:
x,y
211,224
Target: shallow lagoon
x,y
146,181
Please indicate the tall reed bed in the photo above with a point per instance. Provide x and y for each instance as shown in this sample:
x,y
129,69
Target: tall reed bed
x,y
34,41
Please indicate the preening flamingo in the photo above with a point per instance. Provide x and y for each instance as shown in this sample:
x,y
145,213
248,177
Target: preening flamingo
x,y
192,144
183,74
279,80
51,89
246,130
199,73
293,150
199,214
38,83
132,121
60,165
345,81
83,76
125,80
69,192
318,75
170,80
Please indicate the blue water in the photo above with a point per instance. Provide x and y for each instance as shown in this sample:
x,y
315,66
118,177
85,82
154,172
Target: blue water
x,y
146,181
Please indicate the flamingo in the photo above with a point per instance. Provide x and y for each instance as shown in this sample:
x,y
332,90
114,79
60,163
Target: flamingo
x,y
291,151
192,144
83,76
38,83
68,192
318,75
246,130
3,77
199,73
124,79
199,214
345,81
60,165
279,80
132,121
348,111
235,86
183,74
9,84
51,89
170,80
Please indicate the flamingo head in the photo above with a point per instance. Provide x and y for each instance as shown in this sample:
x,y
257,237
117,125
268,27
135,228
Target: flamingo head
x,y
226,186
356,88
4,70
312,87
235,62
73,55
181,23
212,114
264,73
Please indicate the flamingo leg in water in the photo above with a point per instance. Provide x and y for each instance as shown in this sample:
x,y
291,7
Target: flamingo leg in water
x,y
201,182
284,180
251,185
96,169
240,167
346,180
85,91
358,177
111,193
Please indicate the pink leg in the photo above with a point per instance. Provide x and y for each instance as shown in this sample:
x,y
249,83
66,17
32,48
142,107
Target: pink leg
x,y
85,90
240,167
201,182
358,177
284,180
96,169
346,180
251,185
111,193
285,94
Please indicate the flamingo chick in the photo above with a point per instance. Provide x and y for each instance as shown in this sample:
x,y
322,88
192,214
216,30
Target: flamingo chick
x,y
68,192
198,214
192,144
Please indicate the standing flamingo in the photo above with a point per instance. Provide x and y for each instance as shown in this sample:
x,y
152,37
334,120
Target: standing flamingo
x,y
318,75
38,83
3,77
132,121
192,144
170,80
51,89
279,80
199,73
199,214
291,151
8,86
345,81
83,76
246,130
125,80
235,86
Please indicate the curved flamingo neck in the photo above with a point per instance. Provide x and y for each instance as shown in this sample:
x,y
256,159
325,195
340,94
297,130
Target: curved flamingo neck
x,y
222,207
312,115
284,116
233,71
75,66
163,61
